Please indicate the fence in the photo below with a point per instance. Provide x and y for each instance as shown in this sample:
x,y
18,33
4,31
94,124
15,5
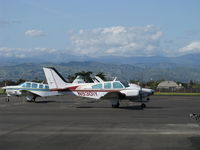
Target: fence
x,y
182,90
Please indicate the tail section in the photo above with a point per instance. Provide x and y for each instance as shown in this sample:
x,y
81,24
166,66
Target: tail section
x,y
54,79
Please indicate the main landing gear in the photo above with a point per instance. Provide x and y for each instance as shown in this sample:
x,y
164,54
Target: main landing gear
x,y
115,105
31,98
8,98
143,105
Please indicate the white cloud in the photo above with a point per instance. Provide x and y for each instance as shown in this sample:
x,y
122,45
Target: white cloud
x,y
12,52
27,53
193,47
35,33
117,40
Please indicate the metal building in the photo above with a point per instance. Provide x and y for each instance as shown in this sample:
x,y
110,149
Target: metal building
x,y
168,86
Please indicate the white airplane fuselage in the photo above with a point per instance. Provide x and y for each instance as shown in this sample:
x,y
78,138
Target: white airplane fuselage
x,y
112,90
31,90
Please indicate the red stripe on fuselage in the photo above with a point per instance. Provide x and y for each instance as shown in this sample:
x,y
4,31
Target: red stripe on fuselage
x,y
91,90
86,90
65,89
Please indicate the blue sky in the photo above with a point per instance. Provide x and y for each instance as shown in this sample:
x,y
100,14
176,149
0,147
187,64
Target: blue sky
x,y
32,28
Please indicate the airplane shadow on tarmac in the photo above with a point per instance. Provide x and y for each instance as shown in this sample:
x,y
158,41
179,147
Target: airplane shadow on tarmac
x,y
195,141
45,101
124,107
139,107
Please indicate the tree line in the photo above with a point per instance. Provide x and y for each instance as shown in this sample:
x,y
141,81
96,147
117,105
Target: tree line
x,y
86,75
70,78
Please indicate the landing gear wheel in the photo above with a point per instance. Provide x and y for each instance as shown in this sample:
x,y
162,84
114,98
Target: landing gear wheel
x,y
115,105
33,100
143,105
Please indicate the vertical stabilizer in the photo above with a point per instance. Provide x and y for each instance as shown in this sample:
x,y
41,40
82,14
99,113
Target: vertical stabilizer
x,y
54,79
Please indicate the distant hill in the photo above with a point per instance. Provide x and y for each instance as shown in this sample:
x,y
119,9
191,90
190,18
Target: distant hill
x,y
145,70
186,60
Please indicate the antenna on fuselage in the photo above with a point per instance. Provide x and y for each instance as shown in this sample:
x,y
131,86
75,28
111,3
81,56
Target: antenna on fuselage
x,y
99,79
95,80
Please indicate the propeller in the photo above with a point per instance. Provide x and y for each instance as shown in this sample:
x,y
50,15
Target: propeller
x,y
140,93
141,98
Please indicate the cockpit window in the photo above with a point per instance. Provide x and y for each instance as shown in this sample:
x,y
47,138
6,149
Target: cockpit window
x,y
23,84
97,86
34,85
28,85
107,85
117,85
46,87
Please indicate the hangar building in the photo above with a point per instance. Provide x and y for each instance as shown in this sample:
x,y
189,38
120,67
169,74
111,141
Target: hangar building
x,y
168,86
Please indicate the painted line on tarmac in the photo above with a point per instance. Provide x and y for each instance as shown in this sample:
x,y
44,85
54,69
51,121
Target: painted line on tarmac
x,y
107,133
181,129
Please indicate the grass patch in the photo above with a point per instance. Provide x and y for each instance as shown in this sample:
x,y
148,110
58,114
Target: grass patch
x,y
1,91
174,94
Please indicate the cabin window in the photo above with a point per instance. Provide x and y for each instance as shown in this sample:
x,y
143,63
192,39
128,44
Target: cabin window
x,y
46,87
117,85
28,85
23,84
97,86
34,85
107,85
41,86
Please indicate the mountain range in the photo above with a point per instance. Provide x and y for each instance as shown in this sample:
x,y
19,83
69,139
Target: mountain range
x,y
189,60
182,68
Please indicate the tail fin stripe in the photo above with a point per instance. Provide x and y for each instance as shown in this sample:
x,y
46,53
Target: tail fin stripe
x,y
58,73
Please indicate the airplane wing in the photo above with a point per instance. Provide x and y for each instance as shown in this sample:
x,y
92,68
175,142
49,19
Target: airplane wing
x,y
41,93
29,92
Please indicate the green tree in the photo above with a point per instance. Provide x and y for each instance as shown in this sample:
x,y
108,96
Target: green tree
x,y
86,76
102,76
152,84
20,81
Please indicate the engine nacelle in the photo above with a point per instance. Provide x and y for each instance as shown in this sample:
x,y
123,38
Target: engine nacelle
x,y
130,93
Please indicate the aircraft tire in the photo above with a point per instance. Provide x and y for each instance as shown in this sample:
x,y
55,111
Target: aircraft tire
x,y
143,105
115,105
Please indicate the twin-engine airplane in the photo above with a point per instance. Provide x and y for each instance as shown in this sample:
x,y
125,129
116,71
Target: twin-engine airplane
x,y
30,90
114,90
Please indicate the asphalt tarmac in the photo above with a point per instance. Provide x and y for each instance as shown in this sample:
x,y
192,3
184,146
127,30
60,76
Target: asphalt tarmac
x,y
71,123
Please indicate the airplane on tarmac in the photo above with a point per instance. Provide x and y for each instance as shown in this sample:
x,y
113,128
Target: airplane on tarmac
x,y
30,90
114,90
